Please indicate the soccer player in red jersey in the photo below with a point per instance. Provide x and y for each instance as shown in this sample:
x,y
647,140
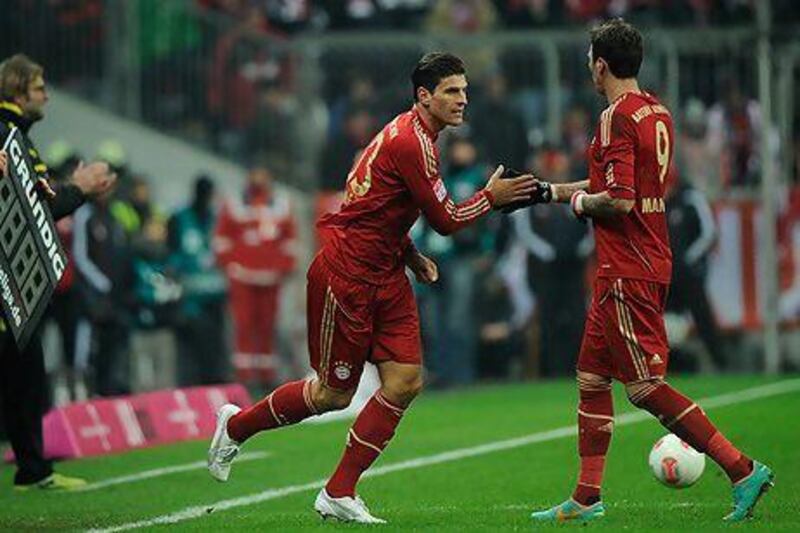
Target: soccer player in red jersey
x,y
360,303
624,337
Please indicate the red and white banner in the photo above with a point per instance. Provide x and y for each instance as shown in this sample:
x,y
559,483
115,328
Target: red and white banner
x,y
736,273
113,425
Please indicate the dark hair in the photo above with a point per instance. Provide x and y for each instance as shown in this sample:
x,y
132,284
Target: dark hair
x,y
203,186
433,67
620,44
16,74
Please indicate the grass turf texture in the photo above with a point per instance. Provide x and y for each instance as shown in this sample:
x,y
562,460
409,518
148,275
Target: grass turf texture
x,y
495,491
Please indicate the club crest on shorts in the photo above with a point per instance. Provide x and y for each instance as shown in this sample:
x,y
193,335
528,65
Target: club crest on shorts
x,y
342,370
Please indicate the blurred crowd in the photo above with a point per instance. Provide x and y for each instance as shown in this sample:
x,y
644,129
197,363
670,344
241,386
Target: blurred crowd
x,y
259,102
154,299
224,73
286,17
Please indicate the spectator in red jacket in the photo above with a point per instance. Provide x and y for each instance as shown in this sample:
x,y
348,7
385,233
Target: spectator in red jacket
x,y
254,244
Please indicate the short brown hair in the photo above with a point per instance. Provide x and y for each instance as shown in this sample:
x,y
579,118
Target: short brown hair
x,y
433,68
620,44
16,74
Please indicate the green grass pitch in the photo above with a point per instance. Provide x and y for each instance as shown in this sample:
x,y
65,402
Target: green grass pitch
x,y
493,491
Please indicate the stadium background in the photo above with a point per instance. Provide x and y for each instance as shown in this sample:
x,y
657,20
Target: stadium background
x,y
169,90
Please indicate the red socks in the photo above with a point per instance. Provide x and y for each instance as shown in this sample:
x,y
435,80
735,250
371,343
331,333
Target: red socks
x,y
675,411
373,429
685,419
595,426
288,404
736,464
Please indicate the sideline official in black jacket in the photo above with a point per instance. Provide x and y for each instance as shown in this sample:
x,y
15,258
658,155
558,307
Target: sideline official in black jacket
x,y
692,233
23,383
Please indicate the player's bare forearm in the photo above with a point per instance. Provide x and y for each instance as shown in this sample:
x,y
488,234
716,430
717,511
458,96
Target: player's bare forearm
x,y
602,205
424,268
562,192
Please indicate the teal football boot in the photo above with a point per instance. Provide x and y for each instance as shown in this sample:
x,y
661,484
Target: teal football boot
x,y
747,491
570,510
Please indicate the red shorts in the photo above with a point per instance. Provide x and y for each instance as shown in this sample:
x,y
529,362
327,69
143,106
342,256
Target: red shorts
x,y
624,336
350,322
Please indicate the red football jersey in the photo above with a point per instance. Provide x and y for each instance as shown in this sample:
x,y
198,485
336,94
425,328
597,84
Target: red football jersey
x,y
630,157
394,179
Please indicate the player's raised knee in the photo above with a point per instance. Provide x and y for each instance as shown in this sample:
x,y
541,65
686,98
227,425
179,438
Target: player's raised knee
x,y
638,391
402,393
401,388
327,399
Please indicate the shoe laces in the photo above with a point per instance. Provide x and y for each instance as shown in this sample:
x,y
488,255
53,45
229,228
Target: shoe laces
x,y
228,453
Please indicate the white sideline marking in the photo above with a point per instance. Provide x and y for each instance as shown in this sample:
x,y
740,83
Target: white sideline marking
x,y
742,396
158,472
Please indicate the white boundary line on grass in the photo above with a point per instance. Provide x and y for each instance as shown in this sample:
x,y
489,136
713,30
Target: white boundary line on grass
x,y
158,472
189,513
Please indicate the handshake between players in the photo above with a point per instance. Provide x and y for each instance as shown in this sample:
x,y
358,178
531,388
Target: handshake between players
x,y
512,190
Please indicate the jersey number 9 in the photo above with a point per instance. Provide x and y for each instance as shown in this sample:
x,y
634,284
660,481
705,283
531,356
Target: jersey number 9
x,y
662,149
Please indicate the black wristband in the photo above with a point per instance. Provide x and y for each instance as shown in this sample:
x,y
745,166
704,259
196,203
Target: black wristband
x,y
542,194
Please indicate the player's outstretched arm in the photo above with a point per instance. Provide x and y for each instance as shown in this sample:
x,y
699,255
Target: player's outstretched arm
x,y
544,192
600,205
562,192
428,191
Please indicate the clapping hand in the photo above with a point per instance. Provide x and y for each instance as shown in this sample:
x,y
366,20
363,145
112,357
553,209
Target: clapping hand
x,y
94,179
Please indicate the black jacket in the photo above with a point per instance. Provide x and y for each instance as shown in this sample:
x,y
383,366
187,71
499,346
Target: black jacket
x,y
68,197
692,230
103,264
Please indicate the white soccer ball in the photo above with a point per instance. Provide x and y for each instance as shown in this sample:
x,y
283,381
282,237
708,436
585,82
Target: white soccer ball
x,y
675,463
